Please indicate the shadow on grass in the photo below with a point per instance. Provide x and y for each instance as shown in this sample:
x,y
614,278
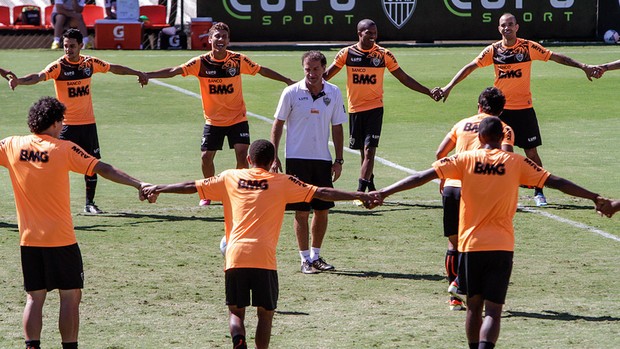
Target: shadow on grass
x,y
527,208
384,275
386,207
144,218
291,312
554,315
11,226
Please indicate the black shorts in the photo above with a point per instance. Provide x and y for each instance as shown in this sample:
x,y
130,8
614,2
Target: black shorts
x,y
451,198
213,136
83,135
52,268
262,282
365,128
485,273
315,172
525,127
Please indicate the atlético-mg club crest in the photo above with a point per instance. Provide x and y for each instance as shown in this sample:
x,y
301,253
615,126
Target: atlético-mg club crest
x,y
399,11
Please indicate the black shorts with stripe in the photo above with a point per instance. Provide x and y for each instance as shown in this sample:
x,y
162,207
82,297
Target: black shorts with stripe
x,y
525,127
213,136
365,128
83,135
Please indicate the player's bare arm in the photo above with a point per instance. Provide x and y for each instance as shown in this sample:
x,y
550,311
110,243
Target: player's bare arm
x,y
410,182
273,75
602,68
338,139
7,74
460,76
331,71
165,73
276,136
116,175
331,194
570,188
151,191
123,70
565,60
30,79
412,83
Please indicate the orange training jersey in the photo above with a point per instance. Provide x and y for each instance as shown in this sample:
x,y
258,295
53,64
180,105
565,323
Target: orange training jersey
x,y
72,84
513,67
489,196
254,201
365,75
465,137
220,86
39,167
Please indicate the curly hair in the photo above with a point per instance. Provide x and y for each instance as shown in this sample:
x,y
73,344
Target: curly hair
x,y
492,101
44,113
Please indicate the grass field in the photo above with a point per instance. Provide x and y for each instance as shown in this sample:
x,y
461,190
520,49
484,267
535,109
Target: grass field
x,y
154,272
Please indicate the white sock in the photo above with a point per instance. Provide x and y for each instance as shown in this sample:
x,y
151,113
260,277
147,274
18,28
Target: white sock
x,y
305,255
314,254
56,39
85,40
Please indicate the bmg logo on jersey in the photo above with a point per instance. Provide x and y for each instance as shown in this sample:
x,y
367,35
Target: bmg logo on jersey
x,y
221,89
79,91
509,74
33,156
489,169
364,79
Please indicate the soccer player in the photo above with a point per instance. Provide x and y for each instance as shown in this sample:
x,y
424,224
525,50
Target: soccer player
x,y
39,166
309,108
254,201
7,74
72,79
463,137
490,180
512,58
68,14
366,63
219,74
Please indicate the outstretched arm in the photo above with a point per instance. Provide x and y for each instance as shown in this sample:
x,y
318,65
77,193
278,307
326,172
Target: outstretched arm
x,y
114,174
601,69
273,75
188,187
570,188
165,73
410,182
331,71
123,70
565,60
330,194
413,84
7,74
460,76
30,79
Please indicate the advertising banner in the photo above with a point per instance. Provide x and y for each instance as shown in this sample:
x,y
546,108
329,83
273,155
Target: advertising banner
x,y
402,20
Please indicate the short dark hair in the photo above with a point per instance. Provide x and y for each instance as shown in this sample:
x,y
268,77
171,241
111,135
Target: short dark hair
x,y
73,33
365,24
492,101
44,113
219,26
314,56
491,129
262,152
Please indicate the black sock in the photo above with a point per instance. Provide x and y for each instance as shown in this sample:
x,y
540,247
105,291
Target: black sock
x,y
473,345
91,186
371,183
362,185
452,263
71,345
538,191
33,344
239,342
486,345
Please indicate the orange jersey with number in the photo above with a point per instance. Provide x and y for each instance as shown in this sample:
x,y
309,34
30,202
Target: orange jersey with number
x,y
72,84
490,193
39,167
465,137
254,201
220,86
365,69
513,66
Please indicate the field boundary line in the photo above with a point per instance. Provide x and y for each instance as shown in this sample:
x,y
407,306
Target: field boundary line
x,y
412,171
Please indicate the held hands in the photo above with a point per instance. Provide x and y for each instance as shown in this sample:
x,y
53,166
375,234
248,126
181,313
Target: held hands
x,y
7,74
148,192
598,71
372,199
437,94
143,79
606,207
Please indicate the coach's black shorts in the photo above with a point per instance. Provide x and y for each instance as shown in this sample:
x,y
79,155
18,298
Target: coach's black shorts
x,y
315,172
262,282
451,198
365,128
83,135
485,273
52,268
525,127
213,136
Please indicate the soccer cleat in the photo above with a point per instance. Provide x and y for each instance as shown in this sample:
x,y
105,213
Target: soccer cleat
x,y
358,203
92,208
540,200
321,265
456,304
204,202
307,268
55,46
453,290
87,46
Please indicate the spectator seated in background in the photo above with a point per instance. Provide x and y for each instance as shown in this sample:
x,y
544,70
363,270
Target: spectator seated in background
x,y
68,14
110,9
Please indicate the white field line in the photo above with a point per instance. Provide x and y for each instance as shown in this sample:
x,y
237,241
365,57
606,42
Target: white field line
x,y
412,171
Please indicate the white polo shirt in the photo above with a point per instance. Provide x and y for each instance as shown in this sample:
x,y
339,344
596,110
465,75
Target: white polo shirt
x,y
309,121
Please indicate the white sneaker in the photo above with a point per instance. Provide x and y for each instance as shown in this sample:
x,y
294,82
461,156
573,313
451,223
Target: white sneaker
x,y
540,200
204,202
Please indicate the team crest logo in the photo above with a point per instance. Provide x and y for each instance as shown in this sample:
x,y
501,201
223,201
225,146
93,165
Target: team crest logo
x,y
87,71
232,71
399,12
519,57
326,100
231,67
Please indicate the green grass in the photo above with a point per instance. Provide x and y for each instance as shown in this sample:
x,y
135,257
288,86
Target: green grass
x,y
154,273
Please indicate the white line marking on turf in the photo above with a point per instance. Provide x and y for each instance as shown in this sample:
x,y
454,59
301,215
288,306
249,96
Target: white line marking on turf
x,y
411,171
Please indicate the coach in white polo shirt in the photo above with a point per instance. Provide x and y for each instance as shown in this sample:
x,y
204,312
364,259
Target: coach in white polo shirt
x,y
309,108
